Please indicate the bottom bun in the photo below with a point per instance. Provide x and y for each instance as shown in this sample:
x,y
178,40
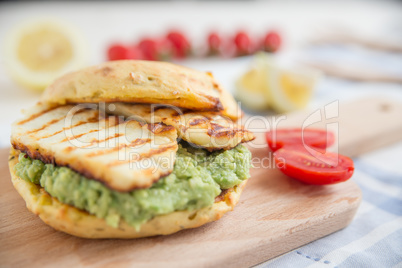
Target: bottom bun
x,y
77,222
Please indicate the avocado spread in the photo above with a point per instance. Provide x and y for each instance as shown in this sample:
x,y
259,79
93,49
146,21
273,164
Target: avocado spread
x,y
197,178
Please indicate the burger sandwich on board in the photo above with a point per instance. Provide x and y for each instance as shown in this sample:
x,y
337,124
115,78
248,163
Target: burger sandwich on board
x,y
130,149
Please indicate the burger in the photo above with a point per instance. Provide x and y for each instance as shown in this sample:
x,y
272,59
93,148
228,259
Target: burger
x,y
130,149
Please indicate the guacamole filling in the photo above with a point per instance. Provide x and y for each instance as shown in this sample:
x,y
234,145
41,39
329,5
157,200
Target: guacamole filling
x,y
197,178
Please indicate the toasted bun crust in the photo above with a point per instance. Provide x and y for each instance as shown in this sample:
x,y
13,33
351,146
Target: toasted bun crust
x,y
76,222
142,82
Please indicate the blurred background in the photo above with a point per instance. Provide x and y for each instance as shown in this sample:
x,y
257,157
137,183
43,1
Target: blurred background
x,y
274,56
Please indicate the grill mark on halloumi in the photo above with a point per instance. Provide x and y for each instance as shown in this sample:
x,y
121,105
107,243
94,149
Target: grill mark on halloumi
x,y
34,154
90,120
198,121
115,121
209,130
217,130
149,154
101,141
158,128
32,117
95,141
45,126
79,135
137,142
54,121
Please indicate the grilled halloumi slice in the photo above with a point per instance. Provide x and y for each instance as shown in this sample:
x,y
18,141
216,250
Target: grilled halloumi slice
x,y
209,130
124,155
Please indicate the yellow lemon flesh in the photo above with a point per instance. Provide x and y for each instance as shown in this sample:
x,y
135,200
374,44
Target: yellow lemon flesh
x,y
44,49
251,88
37,52
291,90
266,85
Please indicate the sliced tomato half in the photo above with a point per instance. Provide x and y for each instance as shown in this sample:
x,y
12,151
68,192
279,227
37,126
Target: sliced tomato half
x,y
317,138
316,167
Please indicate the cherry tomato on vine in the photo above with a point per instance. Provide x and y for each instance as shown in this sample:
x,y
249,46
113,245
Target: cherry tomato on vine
x,y
121,52
134,53
243,43
150,49
214,43
180,44
272,42
117,52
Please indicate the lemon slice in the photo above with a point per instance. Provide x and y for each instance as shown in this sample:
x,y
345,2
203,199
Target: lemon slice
x,y
291,90
251,89
37,52
266,85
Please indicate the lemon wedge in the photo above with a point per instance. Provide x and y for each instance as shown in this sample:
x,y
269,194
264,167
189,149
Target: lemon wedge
x,y
251,89
291,90
266,85
37,52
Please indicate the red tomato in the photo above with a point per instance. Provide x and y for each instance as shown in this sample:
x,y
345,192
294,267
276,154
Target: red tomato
x,y
313,168
120,52
180,44
243,44
214,43
117,52
165,49
134,53
149,48
272,42
317,138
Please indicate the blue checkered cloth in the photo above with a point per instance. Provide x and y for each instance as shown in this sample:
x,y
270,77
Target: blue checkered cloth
x,y
374,238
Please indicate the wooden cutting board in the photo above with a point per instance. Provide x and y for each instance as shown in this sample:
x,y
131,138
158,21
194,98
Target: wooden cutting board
x,y
275,213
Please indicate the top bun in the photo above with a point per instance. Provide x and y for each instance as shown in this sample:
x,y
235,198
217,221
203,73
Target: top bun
x,y
143,82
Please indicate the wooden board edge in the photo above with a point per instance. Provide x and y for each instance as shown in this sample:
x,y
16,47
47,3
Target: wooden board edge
x,y
319,228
